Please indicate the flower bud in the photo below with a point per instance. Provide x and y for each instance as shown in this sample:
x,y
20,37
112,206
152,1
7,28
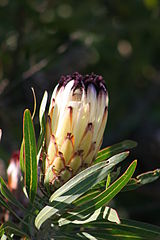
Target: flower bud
x,y
75,126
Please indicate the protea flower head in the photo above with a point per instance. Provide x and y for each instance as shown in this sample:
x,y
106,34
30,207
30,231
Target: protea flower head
x,y
13,171
75,126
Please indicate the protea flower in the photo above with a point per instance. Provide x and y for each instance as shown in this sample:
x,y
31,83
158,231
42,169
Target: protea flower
x,y
75,126
13,171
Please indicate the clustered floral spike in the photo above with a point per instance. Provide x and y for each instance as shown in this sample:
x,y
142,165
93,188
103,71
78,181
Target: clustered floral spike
x,y
75,126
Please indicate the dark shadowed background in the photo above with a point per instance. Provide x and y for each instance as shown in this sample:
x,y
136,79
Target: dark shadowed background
x,y
120,40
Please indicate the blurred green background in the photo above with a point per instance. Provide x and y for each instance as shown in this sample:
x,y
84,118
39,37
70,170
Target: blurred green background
x,y
120,40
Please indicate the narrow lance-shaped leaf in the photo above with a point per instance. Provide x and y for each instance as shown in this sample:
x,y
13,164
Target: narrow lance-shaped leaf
x,y
9,228
35,103
86,197
42,123
77,186
21,156
0,134
142,179
101,213
8,195
107,195
10,209
3,203
43,106
113,189
110,179
126,230
30,154
4,237
114,149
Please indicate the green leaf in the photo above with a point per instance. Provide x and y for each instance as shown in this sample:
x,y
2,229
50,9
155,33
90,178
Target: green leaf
x,y
43,107
21,156
103,184
56,233
7,206
8,195
106,196
86,197
9,228
148,177
105,213
111,215
108,180
42,123
131,185
142,179
0,134
34,98
4,237
3,203
77,186
40,143
30,154
81,219
127,229
114,149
